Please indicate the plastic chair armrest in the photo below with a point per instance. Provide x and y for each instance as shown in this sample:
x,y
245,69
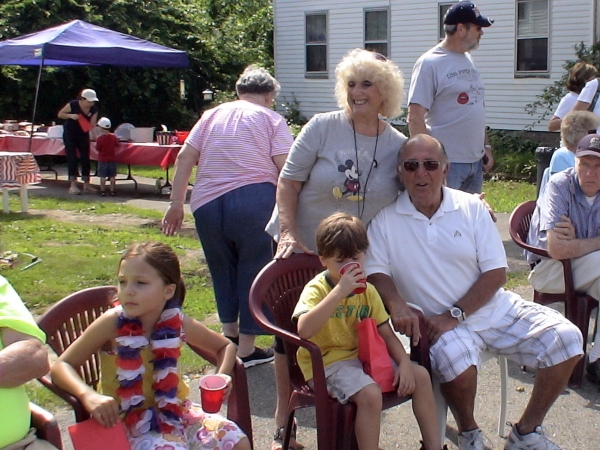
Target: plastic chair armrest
x,y
80,412
45,424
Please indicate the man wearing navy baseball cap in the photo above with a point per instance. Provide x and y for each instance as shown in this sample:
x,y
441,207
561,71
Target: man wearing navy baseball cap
x,y
571,202
446,98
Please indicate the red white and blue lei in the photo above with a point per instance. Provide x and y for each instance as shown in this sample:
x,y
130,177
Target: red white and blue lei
x,y
166,414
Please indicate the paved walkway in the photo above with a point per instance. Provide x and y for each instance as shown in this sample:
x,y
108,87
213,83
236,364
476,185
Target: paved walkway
x,y
574,421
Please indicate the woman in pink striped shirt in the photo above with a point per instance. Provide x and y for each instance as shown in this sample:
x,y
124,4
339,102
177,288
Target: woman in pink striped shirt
x,y
240,148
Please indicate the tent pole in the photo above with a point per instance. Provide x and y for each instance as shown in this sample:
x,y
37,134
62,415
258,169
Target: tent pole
x,y
37,91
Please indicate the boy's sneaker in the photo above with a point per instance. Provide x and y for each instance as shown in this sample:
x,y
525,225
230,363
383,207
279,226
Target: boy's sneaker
x,y
258,356
536,440
471,440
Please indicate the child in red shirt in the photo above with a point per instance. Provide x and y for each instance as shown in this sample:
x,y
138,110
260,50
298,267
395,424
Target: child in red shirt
x,y
106,144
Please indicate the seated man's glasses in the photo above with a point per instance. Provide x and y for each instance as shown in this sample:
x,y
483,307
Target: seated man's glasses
x,y
412,165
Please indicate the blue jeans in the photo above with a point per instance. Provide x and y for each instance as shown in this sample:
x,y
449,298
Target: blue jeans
x,y
467,177
231,229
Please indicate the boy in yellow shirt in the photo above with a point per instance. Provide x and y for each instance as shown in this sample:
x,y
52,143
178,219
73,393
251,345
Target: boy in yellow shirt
x,y
327,314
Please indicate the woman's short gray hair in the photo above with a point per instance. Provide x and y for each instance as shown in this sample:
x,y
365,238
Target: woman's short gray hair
x,y
256,80
381,71
576,125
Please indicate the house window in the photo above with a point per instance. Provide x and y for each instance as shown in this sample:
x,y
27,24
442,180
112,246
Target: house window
x,y
532,35
316,44
376,31
442,8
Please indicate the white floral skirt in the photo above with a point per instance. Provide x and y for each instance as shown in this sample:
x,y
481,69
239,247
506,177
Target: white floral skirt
x,y
203,431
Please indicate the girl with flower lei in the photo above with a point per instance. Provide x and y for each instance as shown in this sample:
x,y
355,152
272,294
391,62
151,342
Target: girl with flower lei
x,y
140,342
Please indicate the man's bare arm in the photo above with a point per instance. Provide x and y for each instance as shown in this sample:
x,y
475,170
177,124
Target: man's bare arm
x,y
403,319
581,106
22,359
570,248
416,119
482,291
478,295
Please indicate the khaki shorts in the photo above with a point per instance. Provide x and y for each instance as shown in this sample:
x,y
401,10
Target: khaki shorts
x,y
344,379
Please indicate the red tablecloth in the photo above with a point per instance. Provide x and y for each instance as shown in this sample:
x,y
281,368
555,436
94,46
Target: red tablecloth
x,y
150,154
17,169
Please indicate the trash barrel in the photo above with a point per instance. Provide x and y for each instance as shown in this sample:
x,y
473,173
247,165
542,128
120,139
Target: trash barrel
x,y
543,155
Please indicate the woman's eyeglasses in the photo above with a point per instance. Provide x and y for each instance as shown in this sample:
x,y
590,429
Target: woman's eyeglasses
x,y
412,165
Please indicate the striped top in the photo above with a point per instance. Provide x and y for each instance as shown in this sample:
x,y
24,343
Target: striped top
x,y
563,196
236,142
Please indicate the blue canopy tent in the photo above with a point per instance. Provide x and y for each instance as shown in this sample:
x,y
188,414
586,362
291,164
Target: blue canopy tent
x,y
78,43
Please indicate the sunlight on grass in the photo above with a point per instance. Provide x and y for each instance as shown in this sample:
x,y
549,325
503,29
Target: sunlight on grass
x,y
80,255
514,279
504,196
155,172
68,204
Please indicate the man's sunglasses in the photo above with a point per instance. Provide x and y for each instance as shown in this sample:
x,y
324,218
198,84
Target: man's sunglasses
x,y
412,165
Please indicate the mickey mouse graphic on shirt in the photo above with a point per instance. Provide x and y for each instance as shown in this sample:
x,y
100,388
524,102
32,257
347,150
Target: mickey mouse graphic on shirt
x,y
351,184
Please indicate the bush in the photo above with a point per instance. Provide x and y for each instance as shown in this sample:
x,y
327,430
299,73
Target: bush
x,y
293,115
514,156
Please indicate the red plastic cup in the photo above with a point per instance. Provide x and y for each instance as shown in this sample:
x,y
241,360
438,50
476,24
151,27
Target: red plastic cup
x,y
350,266
212,390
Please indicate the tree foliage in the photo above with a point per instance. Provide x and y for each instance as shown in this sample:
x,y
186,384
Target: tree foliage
x,y
220,36
543,106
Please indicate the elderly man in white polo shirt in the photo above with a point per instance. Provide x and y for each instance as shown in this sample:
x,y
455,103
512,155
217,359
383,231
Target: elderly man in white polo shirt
x,y
438,248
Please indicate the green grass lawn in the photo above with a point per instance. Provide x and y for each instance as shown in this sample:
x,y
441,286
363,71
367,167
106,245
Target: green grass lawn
x,y
504,196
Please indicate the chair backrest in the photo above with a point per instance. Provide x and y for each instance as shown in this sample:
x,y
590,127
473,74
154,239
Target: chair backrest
x,y
520,219
67,319
518,227
274,294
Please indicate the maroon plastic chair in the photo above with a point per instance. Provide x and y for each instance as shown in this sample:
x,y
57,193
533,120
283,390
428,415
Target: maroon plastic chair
x,y
66,320
578,305
273,296
45,425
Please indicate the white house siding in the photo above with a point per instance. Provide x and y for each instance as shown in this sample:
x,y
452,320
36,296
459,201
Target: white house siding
x,y
414,28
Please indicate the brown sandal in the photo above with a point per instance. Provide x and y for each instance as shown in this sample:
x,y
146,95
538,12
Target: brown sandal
x,y
279,436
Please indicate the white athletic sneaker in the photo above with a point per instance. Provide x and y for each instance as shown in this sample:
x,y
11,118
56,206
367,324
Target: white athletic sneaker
x,y
536,440
471,440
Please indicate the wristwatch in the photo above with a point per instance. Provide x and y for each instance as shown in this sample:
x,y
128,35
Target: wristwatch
x,y
458,313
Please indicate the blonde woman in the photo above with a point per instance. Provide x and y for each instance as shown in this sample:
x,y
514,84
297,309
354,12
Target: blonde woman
x,y
343,161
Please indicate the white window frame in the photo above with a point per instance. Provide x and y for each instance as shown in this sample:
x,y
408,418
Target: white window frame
x,y
523,35
307,45
387,39
442,8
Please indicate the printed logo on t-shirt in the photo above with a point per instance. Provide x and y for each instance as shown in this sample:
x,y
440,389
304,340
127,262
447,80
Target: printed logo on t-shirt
x,y
351,187
457,234
358,311
463,98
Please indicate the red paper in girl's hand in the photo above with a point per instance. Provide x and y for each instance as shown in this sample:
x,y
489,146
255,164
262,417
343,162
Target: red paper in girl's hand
x,y
90,435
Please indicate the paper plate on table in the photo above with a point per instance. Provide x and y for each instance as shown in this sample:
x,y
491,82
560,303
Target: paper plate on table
x,y
122,131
